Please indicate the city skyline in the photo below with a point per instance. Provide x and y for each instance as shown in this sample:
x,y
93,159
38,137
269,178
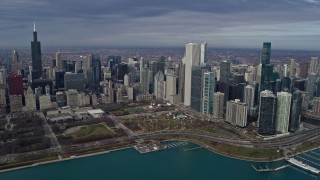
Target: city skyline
x,y
236,24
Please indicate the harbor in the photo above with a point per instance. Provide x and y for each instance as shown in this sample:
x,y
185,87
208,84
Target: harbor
x,y
308,161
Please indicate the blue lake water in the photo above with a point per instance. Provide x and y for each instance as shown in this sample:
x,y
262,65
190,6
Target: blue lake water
x,y
173,163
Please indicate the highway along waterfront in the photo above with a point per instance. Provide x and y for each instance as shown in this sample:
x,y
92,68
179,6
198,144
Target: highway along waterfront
x,y
171,163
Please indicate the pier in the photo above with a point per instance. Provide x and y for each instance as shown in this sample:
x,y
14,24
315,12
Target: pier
x,y
191,149
270,169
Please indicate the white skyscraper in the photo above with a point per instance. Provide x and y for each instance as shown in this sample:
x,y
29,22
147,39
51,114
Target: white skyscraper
x,y
171,87
249,97
141,66
292,67
314,65
203,56
192,58
126,80
59,61
159,85
283,111
285,70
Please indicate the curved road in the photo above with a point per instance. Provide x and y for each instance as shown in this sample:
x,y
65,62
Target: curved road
x,y
287,141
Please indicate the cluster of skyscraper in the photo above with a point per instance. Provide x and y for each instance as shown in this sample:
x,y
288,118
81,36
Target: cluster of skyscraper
x,y
276,96
34,88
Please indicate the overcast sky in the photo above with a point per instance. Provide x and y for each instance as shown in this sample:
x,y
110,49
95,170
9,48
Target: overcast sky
x,y
288,24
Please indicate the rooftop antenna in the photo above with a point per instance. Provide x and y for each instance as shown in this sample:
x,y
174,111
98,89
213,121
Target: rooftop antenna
x,y
34,26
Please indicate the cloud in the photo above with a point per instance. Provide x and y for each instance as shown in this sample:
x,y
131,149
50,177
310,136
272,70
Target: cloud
x,y
157,23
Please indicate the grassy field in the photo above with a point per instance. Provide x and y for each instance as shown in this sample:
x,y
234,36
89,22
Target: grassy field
x,y
96,130
246,152
307,146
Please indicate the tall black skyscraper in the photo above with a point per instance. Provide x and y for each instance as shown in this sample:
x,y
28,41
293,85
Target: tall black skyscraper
x,y
225,75
267,68
36,56
296,108
267,113
196,93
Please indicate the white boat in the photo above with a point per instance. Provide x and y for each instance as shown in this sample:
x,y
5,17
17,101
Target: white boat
x,y
304,166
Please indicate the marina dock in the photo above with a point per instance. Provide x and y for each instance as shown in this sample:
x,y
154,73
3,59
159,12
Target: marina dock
x,y
308,161
270,169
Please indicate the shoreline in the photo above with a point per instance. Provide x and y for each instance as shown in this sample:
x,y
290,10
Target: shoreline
x,y
225,155
61,160
201,144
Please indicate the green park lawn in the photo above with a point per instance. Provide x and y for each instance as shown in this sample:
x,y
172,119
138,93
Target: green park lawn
x,y
96,130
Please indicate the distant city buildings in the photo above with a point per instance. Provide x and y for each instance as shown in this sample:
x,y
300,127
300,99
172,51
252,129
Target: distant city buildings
x,y
276,95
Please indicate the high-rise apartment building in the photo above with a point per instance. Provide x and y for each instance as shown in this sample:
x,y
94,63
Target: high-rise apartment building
x,y
171,87
304,69
218,105
267,113
208,86
296,109
283,111
141,68
249,97
197,86
292,67
144,80
236,113
59,61
311,84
